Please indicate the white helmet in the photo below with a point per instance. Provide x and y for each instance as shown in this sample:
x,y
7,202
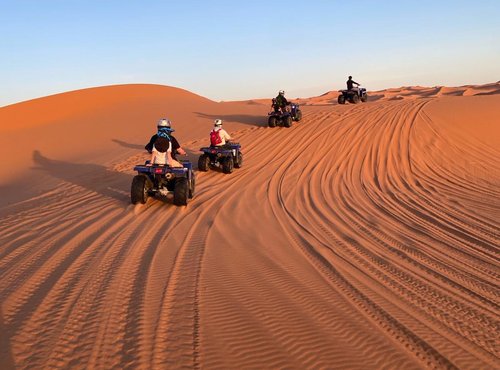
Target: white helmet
x,y
218,123
164,123
282,92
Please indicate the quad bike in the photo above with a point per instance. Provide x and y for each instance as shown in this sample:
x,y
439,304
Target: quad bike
x,y
295,112
157,179
353,96
279,117
227,157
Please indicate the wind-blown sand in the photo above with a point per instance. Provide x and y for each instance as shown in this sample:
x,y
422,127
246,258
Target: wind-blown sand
x,y
365,236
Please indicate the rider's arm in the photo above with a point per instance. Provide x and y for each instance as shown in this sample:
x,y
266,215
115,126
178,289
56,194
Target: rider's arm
x,y
149,146
176,147
226,135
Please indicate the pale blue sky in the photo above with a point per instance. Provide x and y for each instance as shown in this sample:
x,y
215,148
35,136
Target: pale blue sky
x,y
232,50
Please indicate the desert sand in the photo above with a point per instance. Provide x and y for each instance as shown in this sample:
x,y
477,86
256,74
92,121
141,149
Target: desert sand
x,y
364,237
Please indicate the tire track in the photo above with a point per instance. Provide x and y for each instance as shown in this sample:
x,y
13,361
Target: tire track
x,y
354,238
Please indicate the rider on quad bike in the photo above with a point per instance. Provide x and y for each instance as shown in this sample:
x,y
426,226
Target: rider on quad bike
x,y
221,153
280,102
162,153
164,129
353,94
163,174
350,82
218,136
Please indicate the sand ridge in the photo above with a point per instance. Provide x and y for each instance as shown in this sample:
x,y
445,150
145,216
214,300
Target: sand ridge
x,y
409,92
365,236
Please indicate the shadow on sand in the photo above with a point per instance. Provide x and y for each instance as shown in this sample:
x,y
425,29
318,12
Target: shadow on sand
x,y
260,121
93,177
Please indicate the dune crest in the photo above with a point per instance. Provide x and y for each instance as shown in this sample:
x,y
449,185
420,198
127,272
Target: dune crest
x,y
410,92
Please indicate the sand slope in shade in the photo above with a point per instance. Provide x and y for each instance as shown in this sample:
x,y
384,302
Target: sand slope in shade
x,y
365,236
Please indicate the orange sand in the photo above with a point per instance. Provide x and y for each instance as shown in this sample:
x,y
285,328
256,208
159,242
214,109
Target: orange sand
x,y
365,236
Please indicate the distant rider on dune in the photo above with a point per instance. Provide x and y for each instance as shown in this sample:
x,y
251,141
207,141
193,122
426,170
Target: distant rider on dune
x,y
350,83
280,102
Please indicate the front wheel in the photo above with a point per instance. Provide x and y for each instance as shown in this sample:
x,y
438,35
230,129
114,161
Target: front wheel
x,y
298,115
341,99
181,191
364,98
203,163
272,122
239,160
228,165
355,99
139,191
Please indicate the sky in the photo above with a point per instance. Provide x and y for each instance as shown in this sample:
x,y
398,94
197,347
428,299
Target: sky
x,y
237,50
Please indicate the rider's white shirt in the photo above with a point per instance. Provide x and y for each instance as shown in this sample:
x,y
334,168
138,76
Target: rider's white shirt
x,y
223,135
161,158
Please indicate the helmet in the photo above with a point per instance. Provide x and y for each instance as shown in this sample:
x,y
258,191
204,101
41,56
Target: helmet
x,y
218,123
282,92
165,124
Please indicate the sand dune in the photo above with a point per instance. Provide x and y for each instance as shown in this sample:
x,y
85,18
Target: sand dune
x,y
410,92
101,125
365,236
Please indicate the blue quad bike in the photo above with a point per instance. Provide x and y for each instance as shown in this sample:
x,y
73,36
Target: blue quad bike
x,y
353,96
285,118
155,180
226,157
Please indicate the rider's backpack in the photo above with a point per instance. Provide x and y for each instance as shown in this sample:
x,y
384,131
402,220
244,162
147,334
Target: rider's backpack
x,y
215,138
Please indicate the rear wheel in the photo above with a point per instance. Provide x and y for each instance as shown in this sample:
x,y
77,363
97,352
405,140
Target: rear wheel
x,y
288,121
272,122
181,191
203,163
192,186
139,190
239,160
355,99
341,99
227,165
170,185
298,115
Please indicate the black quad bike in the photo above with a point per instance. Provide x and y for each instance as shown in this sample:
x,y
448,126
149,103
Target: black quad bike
x,y
279,118
353,96
227,157
156,180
